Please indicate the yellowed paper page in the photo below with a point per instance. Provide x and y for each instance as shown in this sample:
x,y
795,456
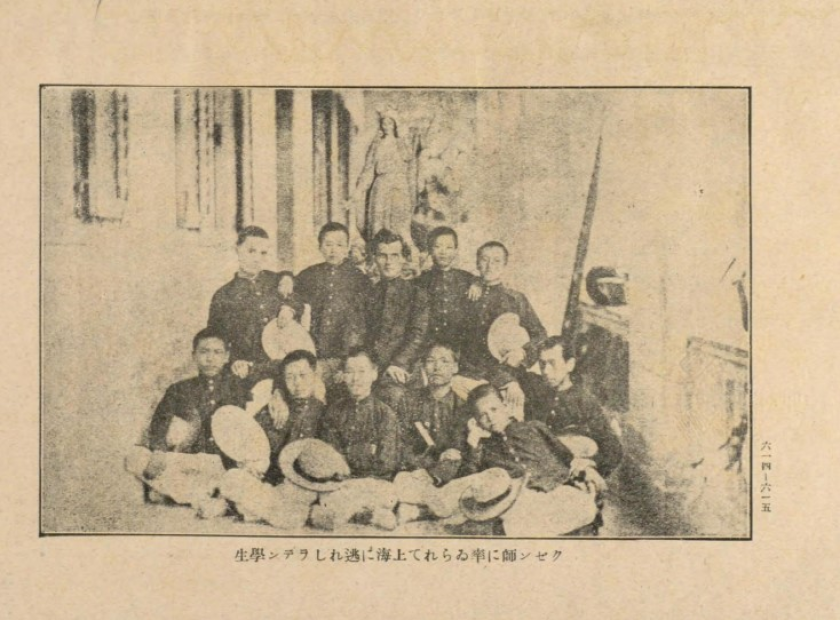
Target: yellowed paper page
x,y
550,274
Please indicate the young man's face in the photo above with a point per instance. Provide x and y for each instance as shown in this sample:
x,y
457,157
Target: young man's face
x,y
440,366
444,251
300,379
492,414
253,254
491,264
285,316
390,259
334,247
210,356
359,375
554,368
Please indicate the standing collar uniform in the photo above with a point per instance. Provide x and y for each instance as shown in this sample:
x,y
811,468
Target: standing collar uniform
x,y
366,432
194,401
497,299
337,295
524,447
241,309
398,321
449,305
445,422
574,411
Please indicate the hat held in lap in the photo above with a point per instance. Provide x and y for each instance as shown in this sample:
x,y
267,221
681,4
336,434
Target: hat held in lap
x,y
491,496
314,465
241,438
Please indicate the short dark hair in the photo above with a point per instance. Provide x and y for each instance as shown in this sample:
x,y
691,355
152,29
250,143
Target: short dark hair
x,y
207,333
441,231
493,244
285,273
297,356
479,392
332,227
250,231
564,342
359,352
443,345
389,236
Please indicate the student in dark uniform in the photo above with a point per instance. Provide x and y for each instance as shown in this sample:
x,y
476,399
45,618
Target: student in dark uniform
x,y
191,403
336,292
242,307
566,407
434,427
363,428
398,318
494,300
562,490
293,412
447,288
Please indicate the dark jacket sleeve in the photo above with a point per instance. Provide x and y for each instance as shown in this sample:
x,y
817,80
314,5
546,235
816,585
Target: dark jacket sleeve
x,y
275,435
328,428
602,433
216,318
529,320
162,417
473,459
355,330
563,453
413,451
303,286
388,454
500,375
415,333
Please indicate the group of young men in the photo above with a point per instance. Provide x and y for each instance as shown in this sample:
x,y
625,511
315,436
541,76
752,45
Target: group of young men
x,y
399,376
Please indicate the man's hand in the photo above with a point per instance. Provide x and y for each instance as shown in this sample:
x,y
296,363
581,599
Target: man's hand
x,y
583,470
450,455
397,374
513,396
286,287
475,292
278,409
515,357
475,433
241,368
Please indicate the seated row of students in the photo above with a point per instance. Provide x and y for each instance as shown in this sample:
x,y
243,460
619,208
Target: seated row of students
x,y
432,428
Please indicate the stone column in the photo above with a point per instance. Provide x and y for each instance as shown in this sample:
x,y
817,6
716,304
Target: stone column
x,y
305,251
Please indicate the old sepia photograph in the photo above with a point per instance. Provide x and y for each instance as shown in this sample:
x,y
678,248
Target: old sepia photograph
x,y
396,312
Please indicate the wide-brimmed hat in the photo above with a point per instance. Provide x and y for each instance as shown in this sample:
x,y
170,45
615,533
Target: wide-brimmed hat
x,y
277,343
313,465
260,396
240,437
492,496
505,335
